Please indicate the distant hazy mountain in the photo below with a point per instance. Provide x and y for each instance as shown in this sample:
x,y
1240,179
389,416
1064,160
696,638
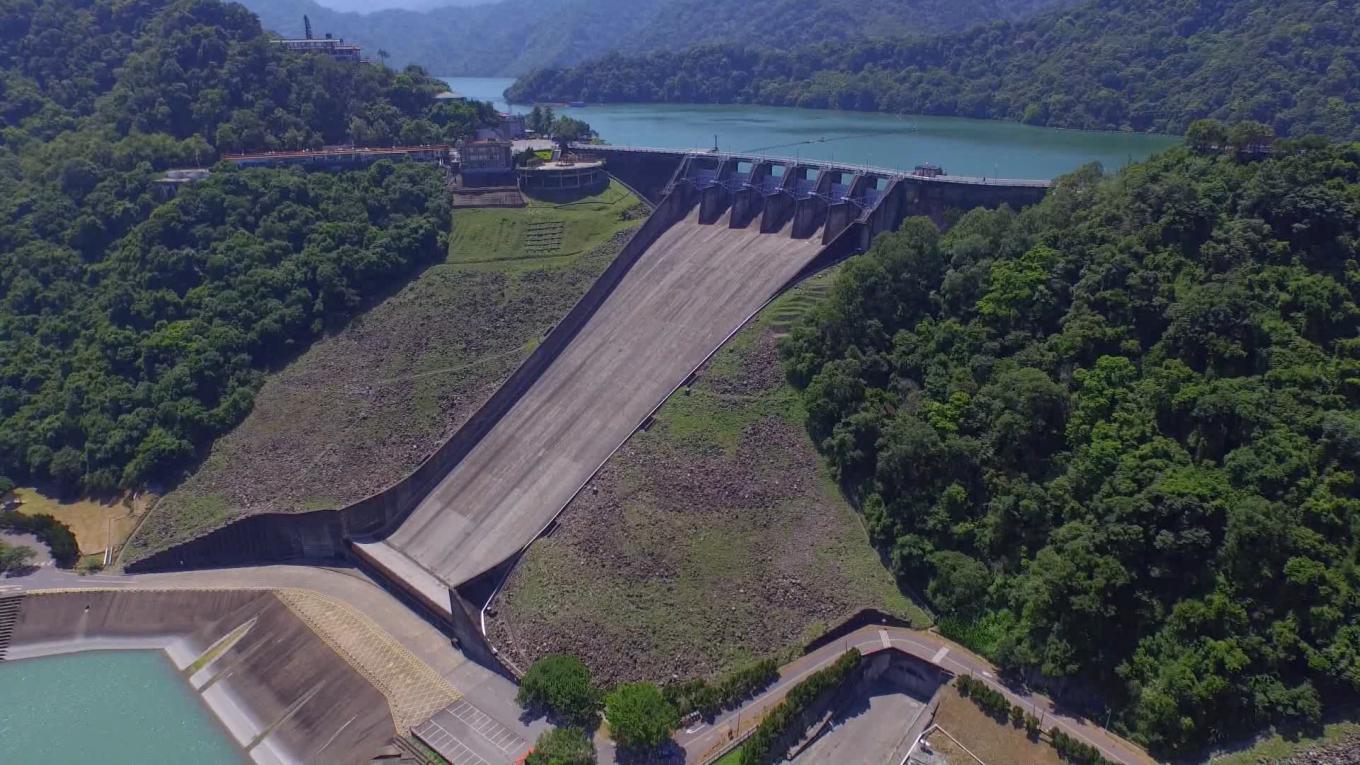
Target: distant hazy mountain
x,y
372,6
515,36
1145,65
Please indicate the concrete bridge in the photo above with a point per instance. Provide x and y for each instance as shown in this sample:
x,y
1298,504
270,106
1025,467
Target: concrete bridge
x,y
727,234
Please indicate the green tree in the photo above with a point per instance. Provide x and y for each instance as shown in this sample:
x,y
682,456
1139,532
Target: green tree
x,y
560,685
1206,135
1251,136
639,716
67,467
14,557
567,130
562,746
959,586
1118,425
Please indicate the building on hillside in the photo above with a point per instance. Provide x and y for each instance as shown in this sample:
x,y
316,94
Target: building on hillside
x,y
450,95
487,163
168,185
342,157
512,126
326,46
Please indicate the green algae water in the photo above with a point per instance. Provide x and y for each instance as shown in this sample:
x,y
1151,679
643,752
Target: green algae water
x,y
987,148
110,707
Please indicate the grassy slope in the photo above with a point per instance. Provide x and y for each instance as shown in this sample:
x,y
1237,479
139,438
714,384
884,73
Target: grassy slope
x,y
360,409
713,537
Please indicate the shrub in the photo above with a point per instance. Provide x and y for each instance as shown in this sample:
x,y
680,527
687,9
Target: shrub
x,y
639,715
14,557
1075,751
562,746
988,699
561,685
708,699
758,749
49,530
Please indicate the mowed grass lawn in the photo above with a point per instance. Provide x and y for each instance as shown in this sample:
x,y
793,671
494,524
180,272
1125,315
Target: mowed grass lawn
x,y
541,229
360,409
95,524
713,537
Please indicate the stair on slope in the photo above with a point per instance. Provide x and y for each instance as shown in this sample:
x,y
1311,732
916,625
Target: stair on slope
x,y
9,619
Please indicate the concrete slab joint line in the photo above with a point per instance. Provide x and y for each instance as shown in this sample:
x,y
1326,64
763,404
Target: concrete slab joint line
x,y
413,690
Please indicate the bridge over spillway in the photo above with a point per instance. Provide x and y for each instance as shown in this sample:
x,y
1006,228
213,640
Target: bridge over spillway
x,y
727,234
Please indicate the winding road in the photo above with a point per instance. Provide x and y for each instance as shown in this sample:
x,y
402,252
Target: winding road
x,y
700,742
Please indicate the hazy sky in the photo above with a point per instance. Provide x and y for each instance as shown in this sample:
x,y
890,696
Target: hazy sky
x,y
365,6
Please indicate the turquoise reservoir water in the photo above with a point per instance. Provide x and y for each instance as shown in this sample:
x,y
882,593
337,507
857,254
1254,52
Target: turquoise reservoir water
x,y
106,707
961,146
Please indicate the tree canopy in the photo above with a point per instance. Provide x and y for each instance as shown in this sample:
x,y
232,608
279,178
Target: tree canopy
x,y
639,716
514,36
1108,64
1114,435
562,746
134,330
561,685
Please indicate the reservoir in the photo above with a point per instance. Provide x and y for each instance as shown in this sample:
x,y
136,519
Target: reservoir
x,y
118,707
961,146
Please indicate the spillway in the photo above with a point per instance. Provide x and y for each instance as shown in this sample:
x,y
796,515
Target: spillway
x,y
691,290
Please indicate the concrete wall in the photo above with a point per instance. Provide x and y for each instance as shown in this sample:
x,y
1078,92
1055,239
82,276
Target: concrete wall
x,y
323,535
647,172
281,691
937,199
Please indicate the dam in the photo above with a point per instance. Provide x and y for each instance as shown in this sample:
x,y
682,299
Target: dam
x,y
727,234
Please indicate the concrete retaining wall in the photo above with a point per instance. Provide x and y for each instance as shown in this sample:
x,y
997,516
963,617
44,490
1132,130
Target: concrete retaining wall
x,y
284,695
322,535
937,200
647,172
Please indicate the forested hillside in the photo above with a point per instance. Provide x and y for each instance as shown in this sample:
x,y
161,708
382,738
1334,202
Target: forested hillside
x,y
515,36
1117,433
1144,65
132,332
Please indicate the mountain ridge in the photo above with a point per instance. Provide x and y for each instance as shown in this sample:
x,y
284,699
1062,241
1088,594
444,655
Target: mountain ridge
x,y
513,37
1107,64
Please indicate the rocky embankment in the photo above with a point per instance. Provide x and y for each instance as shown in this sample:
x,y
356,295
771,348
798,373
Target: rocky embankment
x,y
1346,752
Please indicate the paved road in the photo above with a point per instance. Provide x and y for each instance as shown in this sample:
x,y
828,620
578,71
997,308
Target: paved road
x,y
684,297
487,720
699,742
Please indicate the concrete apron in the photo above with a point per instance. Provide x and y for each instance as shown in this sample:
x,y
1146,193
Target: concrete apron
x,y
281,693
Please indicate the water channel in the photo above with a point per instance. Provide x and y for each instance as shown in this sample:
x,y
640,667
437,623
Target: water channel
x,y
107,707
961,146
